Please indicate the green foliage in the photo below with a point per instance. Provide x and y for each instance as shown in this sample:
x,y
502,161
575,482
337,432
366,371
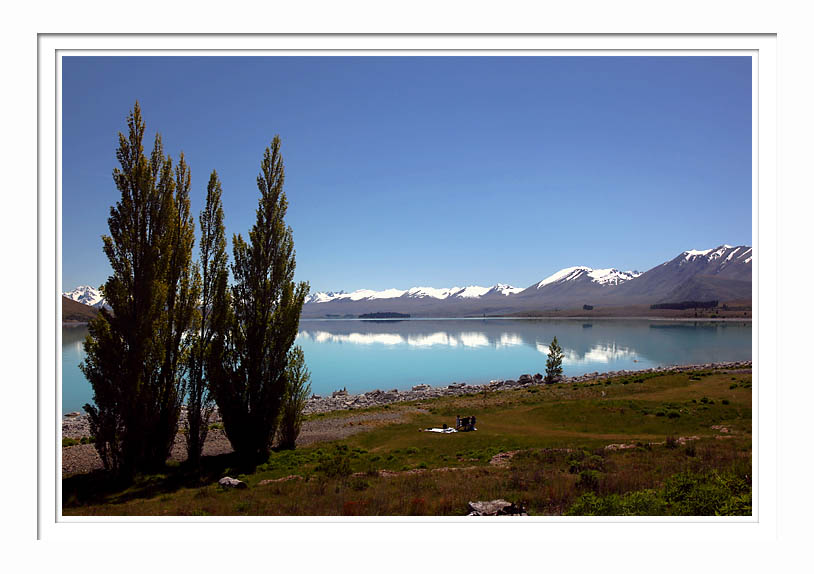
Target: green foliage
x,y
298,387
553,365
135,355
266,306
208,339
588,479
336,466
683,494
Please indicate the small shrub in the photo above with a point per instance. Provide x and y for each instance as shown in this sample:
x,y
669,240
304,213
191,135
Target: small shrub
x,y
338,466
673,414
671,442
725,402
588,480
690,449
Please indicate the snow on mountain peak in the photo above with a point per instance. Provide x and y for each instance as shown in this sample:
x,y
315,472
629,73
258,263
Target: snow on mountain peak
x,y
609,276
612,276
86,295
470,291
567,274
503,289
716,253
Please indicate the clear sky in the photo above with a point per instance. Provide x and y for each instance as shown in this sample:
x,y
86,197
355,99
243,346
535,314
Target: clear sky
x,y
431,171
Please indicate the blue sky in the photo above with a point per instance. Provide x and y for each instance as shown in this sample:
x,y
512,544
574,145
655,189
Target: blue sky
x,y
432,171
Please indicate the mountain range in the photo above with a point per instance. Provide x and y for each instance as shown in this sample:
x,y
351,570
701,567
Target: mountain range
x,y
723,273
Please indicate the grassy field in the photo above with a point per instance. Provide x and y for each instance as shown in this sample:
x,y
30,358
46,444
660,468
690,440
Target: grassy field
x,y
676,444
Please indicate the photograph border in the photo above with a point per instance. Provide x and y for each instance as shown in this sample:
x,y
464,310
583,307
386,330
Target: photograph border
x,y
762,48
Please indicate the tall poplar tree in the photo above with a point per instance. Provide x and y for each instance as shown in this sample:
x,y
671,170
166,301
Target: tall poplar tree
x,y
134,352
266,307
209,340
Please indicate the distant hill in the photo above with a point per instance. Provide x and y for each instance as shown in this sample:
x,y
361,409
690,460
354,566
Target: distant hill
x,y
75,312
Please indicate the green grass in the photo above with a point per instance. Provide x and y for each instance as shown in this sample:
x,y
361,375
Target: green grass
x,y
560,433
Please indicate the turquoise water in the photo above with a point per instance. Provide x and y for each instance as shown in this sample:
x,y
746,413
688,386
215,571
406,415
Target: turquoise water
x,y
365,355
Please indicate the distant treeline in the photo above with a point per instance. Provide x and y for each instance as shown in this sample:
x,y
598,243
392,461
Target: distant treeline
x,y
385,316
681,305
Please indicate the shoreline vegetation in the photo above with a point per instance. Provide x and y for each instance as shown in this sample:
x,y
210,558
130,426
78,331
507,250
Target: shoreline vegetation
x,y
664,441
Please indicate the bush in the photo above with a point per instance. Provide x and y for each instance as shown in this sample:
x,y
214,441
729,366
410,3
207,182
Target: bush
x,y
298,388
671,442
683,494
588,479
338,466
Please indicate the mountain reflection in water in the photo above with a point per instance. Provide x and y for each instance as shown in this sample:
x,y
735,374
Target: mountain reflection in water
x,y
363,355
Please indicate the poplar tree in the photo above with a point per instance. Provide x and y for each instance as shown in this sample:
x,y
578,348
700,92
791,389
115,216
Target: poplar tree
x,y
209,340
298,388
553,364
266,306
134,353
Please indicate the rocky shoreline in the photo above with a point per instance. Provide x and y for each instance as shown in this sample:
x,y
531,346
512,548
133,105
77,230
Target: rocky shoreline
x,y
75,425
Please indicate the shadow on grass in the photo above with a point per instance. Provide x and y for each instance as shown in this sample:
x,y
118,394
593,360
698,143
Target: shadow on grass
x,y
101,487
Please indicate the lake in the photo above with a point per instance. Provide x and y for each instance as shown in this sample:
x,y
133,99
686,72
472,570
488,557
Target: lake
x,y
362,355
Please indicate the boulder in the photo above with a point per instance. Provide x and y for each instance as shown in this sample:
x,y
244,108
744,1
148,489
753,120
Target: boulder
x,y
229,482
523,379
498,507
421,387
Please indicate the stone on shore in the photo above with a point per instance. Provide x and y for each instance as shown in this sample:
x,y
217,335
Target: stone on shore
x,y
497,507
229,482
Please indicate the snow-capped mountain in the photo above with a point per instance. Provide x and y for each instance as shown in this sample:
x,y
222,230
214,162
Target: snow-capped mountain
x,y
86,295
323,297
503,290
428,293
718,259
599,276
723,273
